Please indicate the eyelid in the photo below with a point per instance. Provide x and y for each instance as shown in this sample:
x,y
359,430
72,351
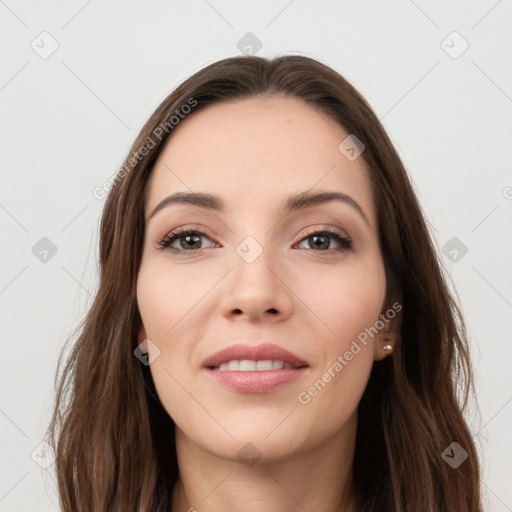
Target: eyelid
x,y
330,229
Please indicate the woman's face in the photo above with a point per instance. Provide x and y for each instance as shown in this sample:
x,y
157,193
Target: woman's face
x,y
261,273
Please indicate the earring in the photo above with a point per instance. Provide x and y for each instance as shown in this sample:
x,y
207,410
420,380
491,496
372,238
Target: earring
x,y
387,347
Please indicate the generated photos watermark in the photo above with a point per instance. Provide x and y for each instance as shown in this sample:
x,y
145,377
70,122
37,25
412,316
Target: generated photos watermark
x,y
304,397
160,132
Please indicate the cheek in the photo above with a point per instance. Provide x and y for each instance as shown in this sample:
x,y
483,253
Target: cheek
x,y
348,303
165,296
166,301
347,300
156,296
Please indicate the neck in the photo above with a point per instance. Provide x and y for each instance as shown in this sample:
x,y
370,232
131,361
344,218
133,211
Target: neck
x,y
319,478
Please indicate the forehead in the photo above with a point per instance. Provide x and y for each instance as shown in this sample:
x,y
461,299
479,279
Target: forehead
x,y
254,152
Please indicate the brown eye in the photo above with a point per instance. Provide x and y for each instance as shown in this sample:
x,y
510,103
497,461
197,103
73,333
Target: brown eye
x,y
321,241
188,241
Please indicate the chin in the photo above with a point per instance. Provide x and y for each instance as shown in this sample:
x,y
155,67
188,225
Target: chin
x,y
262,434
254,447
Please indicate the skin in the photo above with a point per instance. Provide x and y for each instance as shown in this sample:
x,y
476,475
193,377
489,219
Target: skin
x,y
254,153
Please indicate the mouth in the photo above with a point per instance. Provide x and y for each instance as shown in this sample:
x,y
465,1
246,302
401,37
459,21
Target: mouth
x,y
255,369
248,365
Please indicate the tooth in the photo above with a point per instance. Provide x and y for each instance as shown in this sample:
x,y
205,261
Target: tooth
x,y
247,365
264,365
233,365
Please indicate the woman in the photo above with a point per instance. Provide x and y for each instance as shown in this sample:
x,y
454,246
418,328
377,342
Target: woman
x,y
272,329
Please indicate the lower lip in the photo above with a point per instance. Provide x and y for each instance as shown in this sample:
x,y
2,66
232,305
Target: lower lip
x,y
256,381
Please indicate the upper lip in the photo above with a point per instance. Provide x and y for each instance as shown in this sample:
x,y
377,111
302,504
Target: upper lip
x,y
261,352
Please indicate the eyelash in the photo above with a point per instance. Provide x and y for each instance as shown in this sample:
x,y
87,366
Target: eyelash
x,y
166,242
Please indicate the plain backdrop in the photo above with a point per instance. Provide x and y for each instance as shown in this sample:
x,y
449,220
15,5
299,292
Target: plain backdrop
x,y
79,78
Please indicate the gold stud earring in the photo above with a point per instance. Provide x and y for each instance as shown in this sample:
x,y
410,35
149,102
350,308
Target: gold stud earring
x,y
387,347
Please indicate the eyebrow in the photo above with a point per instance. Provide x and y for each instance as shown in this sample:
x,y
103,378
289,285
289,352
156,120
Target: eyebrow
x,y
295,202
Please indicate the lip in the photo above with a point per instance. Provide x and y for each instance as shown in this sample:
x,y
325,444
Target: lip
x,y
254,353
255,381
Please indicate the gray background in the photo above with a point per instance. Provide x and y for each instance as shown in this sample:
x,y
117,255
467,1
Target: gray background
x,y
69,118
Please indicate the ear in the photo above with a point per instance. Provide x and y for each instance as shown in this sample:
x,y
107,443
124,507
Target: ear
x,y
142,333
390,319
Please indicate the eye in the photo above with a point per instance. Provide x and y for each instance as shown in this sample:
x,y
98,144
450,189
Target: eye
x,y
322,240
189,241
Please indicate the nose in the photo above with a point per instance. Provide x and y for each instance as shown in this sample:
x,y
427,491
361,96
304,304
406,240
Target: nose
x,y
257,290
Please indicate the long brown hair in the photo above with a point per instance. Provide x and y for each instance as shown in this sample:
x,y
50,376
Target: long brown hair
x,y
113,439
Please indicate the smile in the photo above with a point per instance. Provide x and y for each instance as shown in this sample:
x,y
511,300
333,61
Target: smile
x,y
254,368
248,365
